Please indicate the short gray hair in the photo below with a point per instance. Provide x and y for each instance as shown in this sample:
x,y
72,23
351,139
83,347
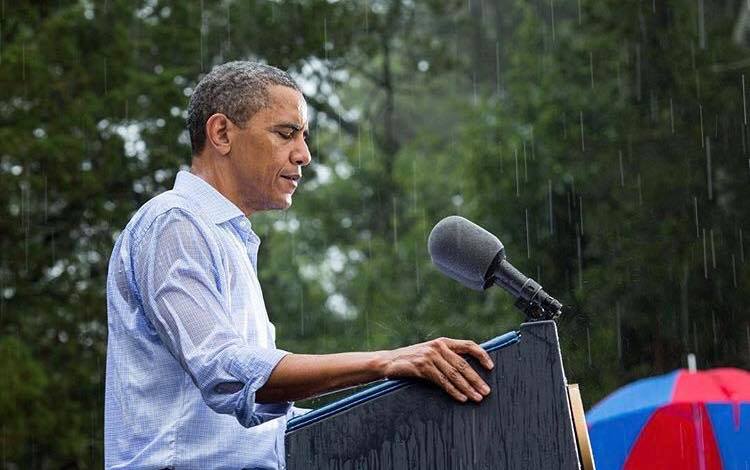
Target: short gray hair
x,y
236,89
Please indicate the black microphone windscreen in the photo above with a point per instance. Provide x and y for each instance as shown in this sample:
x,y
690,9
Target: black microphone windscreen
x,y
463,250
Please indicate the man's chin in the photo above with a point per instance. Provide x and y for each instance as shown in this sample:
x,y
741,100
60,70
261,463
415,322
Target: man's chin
x,y
283,205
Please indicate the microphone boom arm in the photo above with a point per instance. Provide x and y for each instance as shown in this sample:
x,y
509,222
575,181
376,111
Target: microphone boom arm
x,y
531,299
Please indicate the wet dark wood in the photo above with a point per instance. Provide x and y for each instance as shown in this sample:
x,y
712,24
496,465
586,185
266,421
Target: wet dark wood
x,y
525,423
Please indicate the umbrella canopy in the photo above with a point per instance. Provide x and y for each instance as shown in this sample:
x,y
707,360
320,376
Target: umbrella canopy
x,y
681,420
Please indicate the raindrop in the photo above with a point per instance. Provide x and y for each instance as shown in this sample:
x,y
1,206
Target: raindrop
x,y
414,184
528,243
588,344
743,138
367,15
204,30
474,97
416,267
325,38
695,205
531,137
515,158
622,170
705,256
552,17
640,190
46,202
700,114
580,212
583,143
525,165
395,225
497,67
734,272
591,68
619,330
301,309
701,25
713,327
713,249
549,192
580,261
744,100
709,179
359,147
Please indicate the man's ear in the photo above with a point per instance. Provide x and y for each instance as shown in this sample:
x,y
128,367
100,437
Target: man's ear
x,y
217,133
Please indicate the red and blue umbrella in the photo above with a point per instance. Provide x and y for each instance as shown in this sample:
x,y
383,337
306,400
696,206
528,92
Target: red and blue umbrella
x,y
682,420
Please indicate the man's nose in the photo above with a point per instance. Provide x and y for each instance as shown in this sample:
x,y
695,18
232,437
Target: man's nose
x,y
302,155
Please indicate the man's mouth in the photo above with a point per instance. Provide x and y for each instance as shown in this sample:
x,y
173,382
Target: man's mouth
x,y
293,178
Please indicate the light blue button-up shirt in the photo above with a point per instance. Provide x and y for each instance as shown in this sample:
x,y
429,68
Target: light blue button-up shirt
x,y
189,339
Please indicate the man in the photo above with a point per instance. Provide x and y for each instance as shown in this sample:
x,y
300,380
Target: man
x,y
194,378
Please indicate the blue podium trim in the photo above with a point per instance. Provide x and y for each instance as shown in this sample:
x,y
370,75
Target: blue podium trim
x,y
380,389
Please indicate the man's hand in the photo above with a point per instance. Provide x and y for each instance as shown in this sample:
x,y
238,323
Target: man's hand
x,y
439,361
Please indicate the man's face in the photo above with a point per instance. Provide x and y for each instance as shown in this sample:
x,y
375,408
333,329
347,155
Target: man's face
x,y
268,154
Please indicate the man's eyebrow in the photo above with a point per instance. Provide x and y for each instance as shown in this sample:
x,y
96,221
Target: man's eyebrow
x,y
293,126
289,125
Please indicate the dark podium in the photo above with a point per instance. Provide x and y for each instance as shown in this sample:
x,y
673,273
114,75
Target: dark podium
x,y
525,423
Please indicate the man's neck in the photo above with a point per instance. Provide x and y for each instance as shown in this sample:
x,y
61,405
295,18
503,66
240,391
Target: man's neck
x,y
204,168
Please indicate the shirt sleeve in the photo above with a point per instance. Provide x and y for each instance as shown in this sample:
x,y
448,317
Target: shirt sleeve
x,y
177,272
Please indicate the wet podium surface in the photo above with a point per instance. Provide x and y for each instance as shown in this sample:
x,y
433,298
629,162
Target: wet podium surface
x,y
525,422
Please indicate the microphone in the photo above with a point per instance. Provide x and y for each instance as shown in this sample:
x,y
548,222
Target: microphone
x,y
464,251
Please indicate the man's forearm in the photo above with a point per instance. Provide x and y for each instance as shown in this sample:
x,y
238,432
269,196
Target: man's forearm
x,y
300,376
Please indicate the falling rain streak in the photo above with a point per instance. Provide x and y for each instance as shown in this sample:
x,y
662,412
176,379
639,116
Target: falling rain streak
x,y
744,101
515,160
528,235
697,226
583,142
705,256
551,216
709,177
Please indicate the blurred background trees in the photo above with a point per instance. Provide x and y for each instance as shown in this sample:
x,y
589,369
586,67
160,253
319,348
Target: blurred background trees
x,y
605,143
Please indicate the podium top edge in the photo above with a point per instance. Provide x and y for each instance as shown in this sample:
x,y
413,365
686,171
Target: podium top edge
x,y
381,388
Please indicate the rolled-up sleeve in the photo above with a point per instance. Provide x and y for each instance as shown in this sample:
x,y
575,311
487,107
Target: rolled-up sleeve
x,y
177,271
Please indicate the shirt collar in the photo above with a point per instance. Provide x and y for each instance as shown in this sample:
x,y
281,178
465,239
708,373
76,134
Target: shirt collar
x,y
211,202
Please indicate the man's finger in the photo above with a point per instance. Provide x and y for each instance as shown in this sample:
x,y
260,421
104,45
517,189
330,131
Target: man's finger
x,y
458,380
473,349
468,374
440,379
